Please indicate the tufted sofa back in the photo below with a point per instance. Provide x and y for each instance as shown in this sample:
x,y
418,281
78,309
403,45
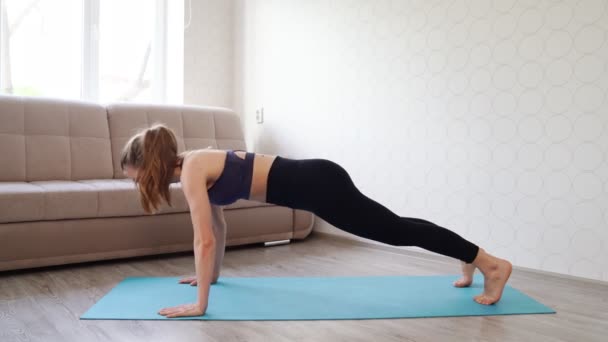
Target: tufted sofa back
x,y
51,139
195,127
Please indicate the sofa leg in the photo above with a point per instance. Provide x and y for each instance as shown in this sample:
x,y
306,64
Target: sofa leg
x,y
276,243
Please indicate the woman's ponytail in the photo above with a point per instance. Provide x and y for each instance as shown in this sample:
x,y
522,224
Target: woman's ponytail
x,y
154,152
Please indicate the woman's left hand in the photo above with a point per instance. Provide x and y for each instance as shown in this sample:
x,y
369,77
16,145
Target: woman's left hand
x,y
182,310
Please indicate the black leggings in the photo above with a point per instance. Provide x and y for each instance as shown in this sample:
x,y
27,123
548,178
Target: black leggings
x,y
325,188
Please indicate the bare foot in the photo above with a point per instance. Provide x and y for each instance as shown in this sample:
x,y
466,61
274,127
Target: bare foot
x,y
496,273
467,275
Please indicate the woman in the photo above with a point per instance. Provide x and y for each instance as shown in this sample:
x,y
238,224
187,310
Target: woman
x,y
320,186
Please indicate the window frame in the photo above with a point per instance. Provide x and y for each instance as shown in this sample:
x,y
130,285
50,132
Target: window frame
x,y
89,79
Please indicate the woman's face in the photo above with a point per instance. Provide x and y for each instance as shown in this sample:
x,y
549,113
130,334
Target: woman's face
x,y
130,172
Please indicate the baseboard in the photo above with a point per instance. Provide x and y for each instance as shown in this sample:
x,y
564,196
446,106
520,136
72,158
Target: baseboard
x,y
388,248
448,260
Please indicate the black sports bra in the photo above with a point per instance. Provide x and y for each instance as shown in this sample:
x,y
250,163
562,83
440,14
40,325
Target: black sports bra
x,y
235,181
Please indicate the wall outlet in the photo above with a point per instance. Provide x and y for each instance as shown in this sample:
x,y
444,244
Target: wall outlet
x,y
259,115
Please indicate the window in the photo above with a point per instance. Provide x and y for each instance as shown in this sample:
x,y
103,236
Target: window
x,y
41,47
99,50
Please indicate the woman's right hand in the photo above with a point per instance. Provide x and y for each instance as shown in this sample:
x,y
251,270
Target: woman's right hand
x,y
191,280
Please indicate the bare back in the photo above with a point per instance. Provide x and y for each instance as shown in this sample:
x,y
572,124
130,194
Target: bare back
x,y
214,161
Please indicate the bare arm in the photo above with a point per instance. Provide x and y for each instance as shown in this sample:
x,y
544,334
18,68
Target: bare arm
x,y
219,229
195,191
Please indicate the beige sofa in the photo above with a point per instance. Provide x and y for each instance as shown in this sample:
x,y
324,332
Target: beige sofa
x,y
64,199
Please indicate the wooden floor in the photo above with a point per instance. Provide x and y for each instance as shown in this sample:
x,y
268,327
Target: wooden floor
x,y
44,304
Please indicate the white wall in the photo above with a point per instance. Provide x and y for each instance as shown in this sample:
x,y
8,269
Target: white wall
x,y
486,117
209,52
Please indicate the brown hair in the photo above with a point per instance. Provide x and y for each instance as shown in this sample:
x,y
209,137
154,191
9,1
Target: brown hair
x,y
153,151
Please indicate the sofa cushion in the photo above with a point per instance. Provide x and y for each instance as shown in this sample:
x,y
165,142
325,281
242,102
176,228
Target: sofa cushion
x,y
61,200
243,203
46,200
119,197
67,200
194,126
21,201
53,139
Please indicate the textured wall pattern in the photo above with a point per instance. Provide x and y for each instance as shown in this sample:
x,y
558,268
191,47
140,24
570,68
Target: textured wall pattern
x,y
486,117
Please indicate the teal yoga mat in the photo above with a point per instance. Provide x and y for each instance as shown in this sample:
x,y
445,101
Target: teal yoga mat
x,y
310,298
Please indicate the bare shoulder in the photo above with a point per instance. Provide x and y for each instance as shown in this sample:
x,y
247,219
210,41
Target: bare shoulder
x,y
195,166
200,166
